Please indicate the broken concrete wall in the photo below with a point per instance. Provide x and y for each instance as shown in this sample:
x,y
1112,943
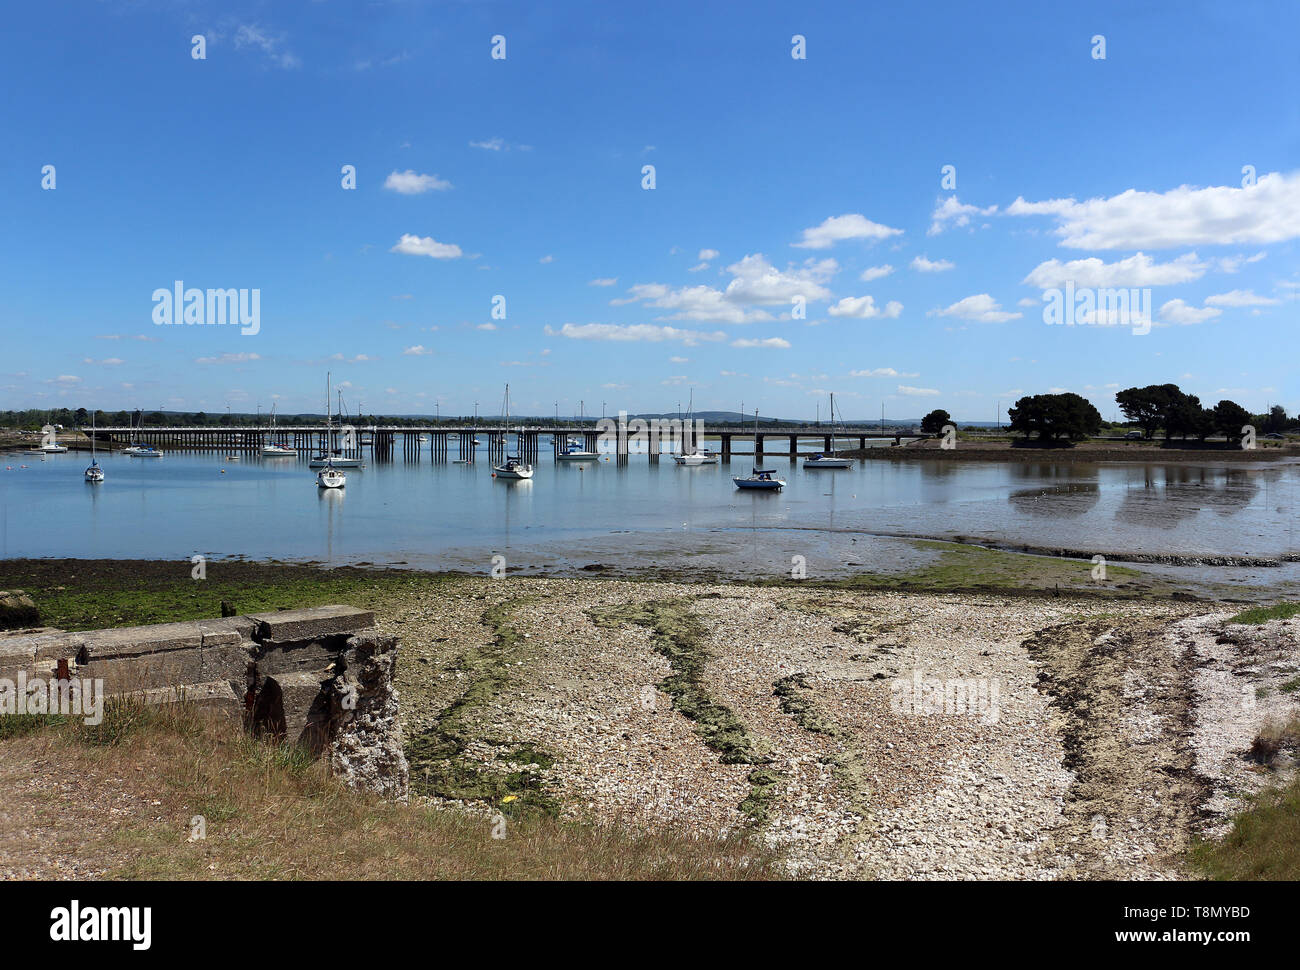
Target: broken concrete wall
x,y
318,677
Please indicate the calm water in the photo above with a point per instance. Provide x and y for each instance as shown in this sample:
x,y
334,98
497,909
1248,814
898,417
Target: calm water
x,y
570,515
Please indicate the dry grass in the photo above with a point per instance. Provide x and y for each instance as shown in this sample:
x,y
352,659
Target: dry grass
x,y
121,798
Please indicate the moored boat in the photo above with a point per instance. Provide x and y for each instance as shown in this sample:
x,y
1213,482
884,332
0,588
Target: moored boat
x,y
331,477
762,478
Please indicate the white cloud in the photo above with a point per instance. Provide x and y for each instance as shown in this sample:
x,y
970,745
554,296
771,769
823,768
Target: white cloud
x,y
708,254
1230,264
981,308
632,332
755,282
839,228
1177,311
875,272
412,245
419,350
956,213
604,281
864,308
881,372
679,360
249,35
486,326
759,282
227,359
1137,270
907,391
775,343
491,145
413,183
1266,212
923,265
546,259
1238,298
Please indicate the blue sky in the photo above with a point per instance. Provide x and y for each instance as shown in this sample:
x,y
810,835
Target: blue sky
x,y
521,177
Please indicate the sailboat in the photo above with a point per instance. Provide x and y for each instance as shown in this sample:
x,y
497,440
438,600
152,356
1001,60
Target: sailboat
x,y
331,477
829,459
138,450
695,456
331,458
760,478
94,473
513,469
272,450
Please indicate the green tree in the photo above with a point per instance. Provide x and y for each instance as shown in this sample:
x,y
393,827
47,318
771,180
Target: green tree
x,y
1229,418
1053,416
933,422
1148,406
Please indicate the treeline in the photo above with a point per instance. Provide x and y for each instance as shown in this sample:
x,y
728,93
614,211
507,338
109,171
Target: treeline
x,y
1156,408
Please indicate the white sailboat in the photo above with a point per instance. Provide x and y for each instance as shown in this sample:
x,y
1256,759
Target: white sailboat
x,y
137,450
272,450
94,473
829,459
696,456
331,458
331,477
50,442
513,469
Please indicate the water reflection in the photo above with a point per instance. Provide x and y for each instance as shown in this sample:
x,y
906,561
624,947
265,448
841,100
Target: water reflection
x,y
1067,501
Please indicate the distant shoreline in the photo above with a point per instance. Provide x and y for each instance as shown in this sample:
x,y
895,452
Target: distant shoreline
x,y
1086,451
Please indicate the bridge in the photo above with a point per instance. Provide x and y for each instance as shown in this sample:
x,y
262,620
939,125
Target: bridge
x,y
382,441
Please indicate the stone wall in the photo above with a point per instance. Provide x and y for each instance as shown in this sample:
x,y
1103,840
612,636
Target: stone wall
x,y
319,677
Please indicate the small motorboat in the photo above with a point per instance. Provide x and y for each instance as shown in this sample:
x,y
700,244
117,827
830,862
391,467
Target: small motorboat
x,y
144,451
762,478
574,451
705,457
827,461
513,470
336,460
331,477
232,458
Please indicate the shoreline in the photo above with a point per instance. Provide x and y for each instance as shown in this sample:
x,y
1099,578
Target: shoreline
x,y
1087,451
774,709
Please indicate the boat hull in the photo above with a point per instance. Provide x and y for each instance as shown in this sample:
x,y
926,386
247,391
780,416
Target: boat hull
x,y
327,480
514,474
773,485
336,462
578,456
828,463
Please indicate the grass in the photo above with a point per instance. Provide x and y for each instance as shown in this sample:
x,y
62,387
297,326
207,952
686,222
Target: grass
x,y
1262,614
1264,843
958,566
96,594
272,813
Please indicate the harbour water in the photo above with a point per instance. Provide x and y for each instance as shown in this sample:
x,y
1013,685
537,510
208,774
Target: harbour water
x,y
641,514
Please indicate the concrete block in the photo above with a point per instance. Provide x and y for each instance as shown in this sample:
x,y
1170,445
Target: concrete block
x,y
312,623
